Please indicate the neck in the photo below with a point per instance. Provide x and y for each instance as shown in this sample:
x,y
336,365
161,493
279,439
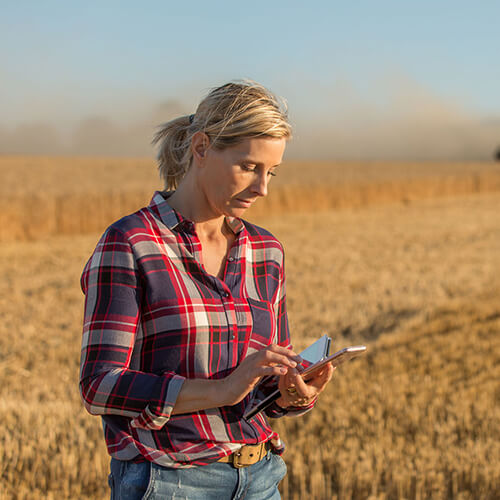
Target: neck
x,y
190,201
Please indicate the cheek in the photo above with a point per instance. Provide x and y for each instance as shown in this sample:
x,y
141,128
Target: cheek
x,y
224,181
221,189
233,183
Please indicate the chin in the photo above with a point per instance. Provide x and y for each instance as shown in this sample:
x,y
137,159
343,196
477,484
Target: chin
x,y
235,212
235,209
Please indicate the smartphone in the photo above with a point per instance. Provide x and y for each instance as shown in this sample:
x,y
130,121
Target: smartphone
x,y
308,373
335,359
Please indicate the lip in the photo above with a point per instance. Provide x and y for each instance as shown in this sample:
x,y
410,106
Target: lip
x,y
245,202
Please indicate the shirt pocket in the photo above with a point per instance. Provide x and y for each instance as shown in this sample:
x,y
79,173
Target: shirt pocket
x,y
263,328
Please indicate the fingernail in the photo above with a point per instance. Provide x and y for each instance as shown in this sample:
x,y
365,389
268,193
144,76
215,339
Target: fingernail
x,y
293,363
283,370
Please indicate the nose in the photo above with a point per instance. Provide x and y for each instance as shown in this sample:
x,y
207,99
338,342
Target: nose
x,y
259,186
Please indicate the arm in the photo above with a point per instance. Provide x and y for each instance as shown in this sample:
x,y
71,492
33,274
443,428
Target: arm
x,y
199,394
113,295
108,386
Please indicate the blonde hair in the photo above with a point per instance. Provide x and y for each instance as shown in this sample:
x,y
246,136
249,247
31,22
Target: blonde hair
x,y
227,115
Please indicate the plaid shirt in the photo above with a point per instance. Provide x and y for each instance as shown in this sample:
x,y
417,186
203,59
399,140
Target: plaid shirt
x,y
154,317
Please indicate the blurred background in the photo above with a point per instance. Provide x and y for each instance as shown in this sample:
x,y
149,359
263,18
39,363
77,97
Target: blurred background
x,y
364,80
387,205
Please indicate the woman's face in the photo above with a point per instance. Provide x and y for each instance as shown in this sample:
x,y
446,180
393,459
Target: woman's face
x,y
233,178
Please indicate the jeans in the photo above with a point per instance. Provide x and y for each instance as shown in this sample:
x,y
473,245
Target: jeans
x,y
216,481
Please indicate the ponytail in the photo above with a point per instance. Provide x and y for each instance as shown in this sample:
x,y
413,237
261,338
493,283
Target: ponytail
x,y
174,150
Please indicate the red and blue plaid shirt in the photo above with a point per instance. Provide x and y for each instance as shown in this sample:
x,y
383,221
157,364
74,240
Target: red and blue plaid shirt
x,y
154,317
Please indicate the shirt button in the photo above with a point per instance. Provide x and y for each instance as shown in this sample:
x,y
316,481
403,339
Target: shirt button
x,y
230,259
225,294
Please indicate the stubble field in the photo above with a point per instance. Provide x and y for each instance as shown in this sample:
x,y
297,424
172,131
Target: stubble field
x,y
415,277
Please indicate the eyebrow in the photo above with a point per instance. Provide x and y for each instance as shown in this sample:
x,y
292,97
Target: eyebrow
x,y
257,163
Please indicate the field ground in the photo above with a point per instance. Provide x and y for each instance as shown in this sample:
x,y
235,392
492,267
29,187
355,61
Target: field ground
x,y
418,417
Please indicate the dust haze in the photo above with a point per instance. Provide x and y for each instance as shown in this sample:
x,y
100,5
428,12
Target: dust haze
x,y
405,122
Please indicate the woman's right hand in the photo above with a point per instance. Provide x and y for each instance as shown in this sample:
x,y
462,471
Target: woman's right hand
x,y
273,360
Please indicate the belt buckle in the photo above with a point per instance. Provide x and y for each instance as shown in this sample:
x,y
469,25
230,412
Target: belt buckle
x,y
248,455
236,460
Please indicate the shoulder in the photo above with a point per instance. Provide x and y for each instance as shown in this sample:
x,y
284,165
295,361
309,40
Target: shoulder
x,y
113,250
129,225
121,236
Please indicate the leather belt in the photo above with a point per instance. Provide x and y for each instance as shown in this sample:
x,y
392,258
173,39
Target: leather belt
x,y
247,455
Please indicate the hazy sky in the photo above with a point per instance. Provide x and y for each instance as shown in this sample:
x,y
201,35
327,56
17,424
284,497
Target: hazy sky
x,y
362,78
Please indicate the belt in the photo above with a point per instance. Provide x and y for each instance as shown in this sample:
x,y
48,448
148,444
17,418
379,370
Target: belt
x,y
247,455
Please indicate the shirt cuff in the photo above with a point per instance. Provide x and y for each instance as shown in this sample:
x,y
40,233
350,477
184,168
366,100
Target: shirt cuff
x,y
274,410
295,411
158,411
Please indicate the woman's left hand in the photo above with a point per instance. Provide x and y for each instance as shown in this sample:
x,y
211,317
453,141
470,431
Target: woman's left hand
x,y
296,392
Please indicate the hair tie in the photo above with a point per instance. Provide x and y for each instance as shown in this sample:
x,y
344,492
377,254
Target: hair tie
x,y
191,118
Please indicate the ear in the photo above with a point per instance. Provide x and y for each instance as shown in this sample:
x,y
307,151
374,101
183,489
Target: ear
x,y
199,146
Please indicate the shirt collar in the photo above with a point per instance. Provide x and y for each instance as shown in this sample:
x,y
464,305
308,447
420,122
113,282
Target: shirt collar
x,y
175,220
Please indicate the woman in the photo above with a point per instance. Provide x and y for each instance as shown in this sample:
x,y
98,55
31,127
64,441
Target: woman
x,y
185,318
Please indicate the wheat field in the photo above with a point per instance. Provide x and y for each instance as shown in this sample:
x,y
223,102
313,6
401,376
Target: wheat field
x,y
44,196
412,272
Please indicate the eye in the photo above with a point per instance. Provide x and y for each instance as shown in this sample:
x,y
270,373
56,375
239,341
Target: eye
x,y
252,168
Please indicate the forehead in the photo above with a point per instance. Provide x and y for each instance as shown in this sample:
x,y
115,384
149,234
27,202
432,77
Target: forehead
x,y
259,149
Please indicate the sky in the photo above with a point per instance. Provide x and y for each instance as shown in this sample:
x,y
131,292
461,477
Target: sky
x,y
362,79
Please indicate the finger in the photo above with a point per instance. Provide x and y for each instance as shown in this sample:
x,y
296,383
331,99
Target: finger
x,y
321,372
300,368
285,384
270,358
272,370
295,386
324,373
290,398
289,353
327,373
320,381
313,386
303,389
286,381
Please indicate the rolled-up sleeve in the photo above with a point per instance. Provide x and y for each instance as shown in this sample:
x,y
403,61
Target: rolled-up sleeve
x,y
111,284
